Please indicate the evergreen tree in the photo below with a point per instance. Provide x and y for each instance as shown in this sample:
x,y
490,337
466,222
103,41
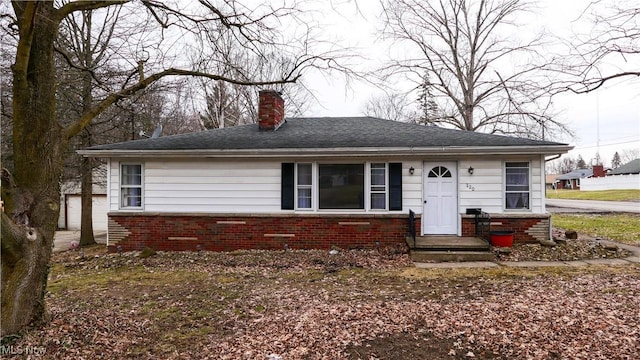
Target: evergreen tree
x,y
426,102
616,161
580,163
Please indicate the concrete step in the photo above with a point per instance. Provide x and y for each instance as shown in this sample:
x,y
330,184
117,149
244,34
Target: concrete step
x,y
448,243
450,256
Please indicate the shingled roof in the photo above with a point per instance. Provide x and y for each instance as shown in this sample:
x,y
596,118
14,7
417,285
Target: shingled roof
x,y
325,133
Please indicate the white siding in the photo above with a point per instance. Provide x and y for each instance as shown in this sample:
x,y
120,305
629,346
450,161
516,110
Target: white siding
x,y
411,186
243,186
485,188
212,186
113,182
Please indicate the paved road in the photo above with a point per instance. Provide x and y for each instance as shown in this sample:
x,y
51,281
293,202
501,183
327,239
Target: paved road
x,y
593,205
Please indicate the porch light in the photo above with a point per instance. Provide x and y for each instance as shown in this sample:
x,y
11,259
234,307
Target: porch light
x,y
470,170
412,170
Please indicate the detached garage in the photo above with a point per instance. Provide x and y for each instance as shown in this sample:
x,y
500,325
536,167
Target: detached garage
x,y
71,206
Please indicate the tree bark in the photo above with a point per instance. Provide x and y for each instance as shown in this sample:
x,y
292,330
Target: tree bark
x,y
32,197
86,164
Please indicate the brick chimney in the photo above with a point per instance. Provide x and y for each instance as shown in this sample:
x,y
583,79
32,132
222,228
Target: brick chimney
x,y
598,171
270,110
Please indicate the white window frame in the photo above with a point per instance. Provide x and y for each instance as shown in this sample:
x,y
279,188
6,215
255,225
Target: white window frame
x,y
123,186
504,189
315,186
298,187
370,167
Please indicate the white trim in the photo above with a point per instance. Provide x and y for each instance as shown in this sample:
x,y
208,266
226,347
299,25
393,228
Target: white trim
x,y
296,186
315,186
441,151
452,166
369,185
109,194
504,187
131,208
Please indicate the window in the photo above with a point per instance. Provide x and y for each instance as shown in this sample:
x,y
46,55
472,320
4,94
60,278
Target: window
x,y
517,185
131,186
439,171
304,185
311,186
378,186
341,186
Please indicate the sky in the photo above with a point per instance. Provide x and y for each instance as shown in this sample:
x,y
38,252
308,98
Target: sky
x,y
606,120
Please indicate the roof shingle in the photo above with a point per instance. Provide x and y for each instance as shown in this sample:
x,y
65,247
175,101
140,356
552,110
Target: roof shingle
x,y
319,133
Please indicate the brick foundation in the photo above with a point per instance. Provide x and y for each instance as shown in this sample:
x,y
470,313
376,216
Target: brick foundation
x,y
530,228
176,232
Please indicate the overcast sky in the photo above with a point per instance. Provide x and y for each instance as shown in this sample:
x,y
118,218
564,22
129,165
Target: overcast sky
x,y
609,116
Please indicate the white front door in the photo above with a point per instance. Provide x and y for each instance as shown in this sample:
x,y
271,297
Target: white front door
x,y
440,215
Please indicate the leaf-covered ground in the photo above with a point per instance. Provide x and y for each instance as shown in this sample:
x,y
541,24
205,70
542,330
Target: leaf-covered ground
x,y
313,305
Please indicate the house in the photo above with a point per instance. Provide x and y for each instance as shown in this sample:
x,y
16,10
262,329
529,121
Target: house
x,y
551,181
571,180
625,177
319,182
632,167
71,204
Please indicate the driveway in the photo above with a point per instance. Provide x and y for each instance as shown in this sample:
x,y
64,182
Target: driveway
x,y
62,239
594,205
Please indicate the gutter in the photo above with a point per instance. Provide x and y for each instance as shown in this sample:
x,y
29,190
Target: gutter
x,y
333,152
553,158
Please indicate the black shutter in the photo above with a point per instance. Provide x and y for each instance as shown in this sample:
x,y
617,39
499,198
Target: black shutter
x,y
395,186
286,187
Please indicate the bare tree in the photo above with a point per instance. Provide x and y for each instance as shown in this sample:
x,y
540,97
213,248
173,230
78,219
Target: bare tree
x,y
563,165
395,106
628,155
609,50
465,48
32,192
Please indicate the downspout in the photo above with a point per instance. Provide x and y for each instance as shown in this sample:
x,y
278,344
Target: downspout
x,y
545,195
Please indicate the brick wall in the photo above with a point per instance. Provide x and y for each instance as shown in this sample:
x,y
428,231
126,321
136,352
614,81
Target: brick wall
x,y
225,233
270,110
528,228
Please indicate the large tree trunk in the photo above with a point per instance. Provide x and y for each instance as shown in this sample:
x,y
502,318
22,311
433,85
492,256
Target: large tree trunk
x,y
32,199
86,165
86,221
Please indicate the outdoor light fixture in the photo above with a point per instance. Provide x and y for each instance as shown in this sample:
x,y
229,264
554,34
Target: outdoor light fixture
x,y
412,170
470,170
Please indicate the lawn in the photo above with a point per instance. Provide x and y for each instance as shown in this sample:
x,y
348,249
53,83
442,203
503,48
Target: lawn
x,y
312,305
624,228
607,195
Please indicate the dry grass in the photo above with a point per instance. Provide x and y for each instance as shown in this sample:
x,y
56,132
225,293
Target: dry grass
x,y
624,228
311,305
606,195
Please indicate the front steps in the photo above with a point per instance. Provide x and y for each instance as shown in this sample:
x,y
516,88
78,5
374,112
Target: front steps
x,y
449,249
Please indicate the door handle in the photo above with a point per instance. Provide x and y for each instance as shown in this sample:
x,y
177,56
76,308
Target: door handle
x,y
425,201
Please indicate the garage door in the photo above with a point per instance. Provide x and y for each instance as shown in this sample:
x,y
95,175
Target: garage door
x,y
99,212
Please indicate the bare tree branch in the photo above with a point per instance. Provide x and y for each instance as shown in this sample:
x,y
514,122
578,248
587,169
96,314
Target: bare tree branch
x,y
73,6
460,44
76,127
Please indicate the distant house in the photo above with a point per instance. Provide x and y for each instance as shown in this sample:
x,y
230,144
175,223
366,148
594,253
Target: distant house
x,y
551,181
625,177
319,182
571,180
632,167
